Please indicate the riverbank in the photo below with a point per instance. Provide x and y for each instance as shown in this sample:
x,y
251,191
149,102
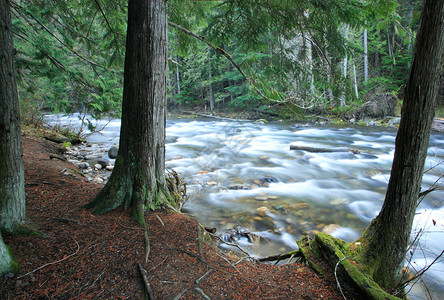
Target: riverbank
x,y
389,121
86,256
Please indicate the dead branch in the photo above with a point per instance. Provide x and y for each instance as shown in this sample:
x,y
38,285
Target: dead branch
x,y
231,244
337,280
160,220
199,280
147,285
281,256
52,263
201,293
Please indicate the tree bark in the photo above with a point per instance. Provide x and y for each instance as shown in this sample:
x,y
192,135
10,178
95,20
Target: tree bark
x,y
12,182
386,239
5,257
138,178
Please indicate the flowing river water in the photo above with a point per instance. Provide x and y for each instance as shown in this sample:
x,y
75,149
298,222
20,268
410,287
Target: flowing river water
x,y
241,173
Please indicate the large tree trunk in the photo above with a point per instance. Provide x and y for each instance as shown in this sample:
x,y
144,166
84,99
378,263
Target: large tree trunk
x,y
138,178
386,239
12,181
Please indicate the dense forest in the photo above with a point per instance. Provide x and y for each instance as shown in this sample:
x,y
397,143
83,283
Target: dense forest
x,y
278,58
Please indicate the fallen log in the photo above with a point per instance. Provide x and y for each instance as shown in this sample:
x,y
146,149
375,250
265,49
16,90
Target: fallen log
x,y
320,150
333,251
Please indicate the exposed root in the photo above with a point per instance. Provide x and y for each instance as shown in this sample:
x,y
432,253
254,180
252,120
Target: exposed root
x,y
147,285
177,188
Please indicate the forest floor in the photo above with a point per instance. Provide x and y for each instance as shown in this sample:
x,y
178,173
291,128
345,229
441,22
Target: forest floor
x,y
88,256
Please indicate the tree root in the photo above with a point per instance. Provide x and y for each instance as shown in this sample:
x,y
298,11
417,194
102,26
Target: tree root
x,y
148,289
147,245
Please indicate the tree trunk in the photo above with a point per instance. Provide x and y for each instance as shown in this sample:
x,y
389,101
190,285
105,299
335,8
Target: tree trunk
x,y
5,258
138,178
211,92
365,56
344,69
12,181
386,239
355,81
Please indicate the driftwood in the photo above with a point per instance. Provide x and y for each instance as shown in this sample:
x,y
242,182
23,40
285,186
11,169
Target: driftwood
x,y
319,150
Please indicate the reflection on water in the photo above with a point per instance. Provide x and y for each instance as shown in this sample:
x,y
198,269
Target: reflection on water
x,y
244,174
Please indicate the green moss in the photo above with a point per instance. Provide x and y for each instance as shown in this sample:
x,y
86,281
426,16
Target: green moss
x,y
307,254
66,144
336,249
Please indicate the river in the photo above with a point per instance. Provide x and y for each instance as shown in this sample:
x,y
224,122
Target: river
x,y
241,173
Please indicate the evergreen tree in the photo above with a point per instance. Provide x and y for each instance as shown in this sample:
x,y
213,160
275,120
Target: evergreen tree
x,y
12,181
386,239
138,178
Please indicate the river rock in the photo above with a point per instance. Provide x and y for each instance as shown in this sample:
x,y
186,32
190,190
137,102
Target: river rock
x,y
329,229
113,151
97,180
109,168
98,166
103,162
237,187
262,209
268,179
83,165
394,121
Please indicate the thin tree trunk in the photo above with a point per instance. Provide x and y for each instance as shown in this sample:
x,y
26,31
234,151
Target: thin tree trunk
x,y
309,59
138,178
329,70
365,56
386,239
211,92
178,77
344,69
355,81
12,182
